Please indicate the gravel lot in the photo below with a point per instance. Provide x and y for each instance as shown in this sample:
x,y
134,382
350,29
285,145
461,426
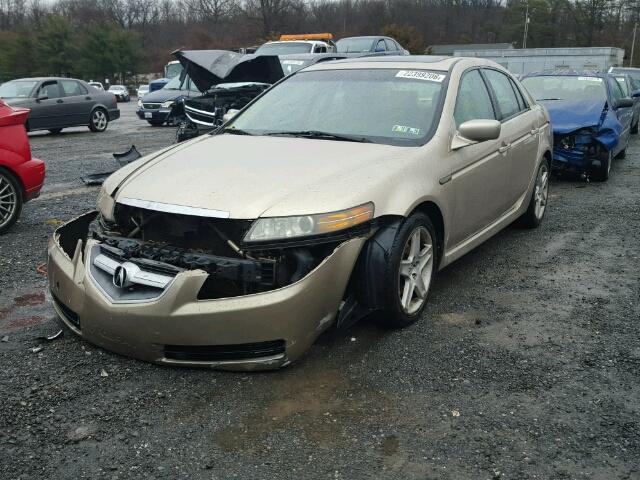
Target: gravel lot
x,y
525,365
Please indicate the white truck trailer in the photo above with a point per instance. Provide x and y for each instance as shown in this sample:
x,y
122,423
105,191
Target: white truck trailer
x,y
523,61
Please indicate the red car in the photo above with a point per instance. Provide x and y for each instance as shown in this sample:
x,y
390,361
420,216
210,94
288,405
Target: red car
x,y
21,177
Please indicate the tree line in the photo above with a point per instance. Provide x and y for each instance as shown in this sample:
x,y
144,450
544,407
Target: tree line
x,y
96,39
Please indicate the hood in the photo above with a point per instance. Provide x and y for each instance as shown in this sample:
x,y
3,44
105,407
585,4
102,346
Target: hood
x,y
250,176
210,67
16,101
568,116
162,95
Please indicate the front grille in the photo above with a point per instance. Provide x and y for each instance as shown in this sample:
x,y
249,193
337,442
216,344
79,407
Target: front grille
x,y
151,106
198,117
213,353
69,314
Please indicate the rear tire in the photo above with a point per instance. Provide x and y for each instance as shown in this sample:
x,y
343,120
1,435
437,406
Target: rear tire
x,y
55,131
538,202
99,120
409,272
155,123
634,128
10,200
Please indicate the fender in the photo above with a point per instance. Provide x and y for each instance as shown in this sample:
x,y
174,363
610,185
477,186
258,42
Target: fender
x,y
367,287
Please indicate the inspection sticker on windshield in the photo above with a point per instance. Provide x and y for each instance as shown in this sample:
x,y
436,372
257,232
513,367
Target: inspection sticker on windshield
x,y
293,62
421,75
404,129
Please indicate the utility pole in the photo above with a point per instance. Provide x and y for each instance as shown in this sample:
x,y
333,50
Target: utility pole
x,y
526,27
633,43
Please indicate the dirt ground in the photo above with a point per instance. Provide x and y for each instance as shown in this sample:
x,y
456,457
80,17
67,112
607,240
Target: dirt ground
x,y
526,363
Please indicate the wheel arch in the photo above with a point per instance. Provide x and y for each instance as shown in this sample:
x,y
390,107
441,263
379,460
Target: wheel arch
x,y
433,211
16,178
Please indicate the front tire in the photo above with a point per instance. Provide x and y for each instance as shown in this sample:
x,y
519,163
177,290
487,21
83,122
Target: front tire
x,y
10,201
55,131
601,173
634,128
99,120
410,268
155,123
538,202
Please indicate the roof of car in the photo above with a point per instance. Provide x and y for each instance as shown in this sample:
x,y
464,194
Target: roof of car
x,y
39,79
567,73
397,61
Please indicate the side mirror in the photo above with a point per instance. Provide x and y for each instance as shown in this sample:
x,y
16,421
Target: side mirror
x,y
475,131
39,98
232,112
624,103
635,94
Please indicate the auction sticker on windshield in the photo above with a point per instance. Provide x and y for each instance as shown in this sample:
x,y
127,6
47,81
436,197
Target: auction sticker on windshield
x,y
405,129
421,75
590,79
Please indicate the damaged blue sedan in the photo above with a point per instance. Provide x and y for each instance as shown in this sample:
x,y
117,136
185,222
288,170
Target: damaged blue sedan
x,y
591,118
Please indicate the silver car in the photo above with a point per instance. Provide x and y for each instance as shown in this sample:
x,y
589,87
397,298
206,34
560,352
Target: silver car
x,y
337,194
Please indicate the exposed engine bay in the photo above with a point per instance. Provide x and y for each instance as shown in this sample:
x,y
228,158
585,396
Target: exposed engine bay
x,y
206,113
167,243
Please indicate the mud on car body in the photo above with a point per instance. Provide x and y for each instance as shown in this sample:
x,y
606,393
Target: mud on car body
x,y
591,119
240,261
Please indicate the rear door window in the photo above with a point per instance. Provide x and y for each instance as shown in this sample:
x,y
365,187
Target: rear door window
x,y
380,46
474,101
503,91
72,88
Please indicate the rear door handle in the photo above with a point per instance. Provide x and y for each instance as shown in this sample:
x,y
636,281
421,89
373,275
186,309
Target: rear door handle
x,y
59,101
87,98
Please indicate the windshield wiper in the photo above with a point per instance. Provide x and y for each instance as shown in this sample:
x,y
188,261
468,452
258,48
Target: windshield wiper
x,y
544,99
319,135
235,131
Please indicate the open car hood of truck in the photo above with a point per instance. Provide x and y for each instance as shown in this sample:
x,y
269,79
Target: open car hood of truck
x,y
207,68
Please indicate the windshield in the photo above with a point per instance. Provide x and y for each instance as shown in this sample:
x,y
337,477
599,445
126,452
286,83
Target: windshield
x,y
17,88
174,84
172,70
350,45
395,107
566,87
284,48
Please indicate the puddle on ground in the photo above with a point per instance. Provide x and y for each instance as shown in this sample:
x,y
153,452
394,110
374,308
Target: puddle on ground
x,y
24,311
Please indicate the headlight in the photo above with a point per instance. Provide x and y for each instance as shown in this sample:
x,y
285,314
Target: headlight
x,y
140,103
167,104
284,228
105,204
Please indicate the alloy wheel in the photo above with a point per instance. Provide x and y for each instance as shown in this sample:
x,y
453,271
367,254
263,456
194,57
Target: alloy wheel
x,y
416,267
541,191
99,120
8,200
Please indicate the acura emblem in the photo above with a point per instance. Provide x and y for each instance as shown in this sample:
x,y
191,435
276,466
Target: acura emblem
x,y
120,277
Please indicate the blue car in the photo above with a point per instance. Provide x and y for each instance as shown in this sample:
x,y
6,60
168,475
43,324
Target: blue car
x,y
631,89
591,117
167,104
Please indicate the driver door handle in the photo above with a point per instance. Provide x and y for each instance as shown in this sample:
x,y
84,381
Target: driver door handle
x,y
59,101
87,98
535,131
504,148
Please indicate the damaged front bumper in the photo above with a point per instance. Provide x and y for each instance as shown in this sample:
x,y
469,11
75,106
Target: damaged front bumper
x,y
577,153
167,323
